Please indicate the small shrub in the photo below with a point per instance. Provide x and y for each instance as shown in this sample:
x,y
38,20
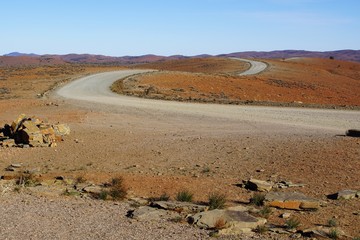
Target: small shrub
x,y
117,189
220,224
217,201
261,229
177,219
103,195
163,197
184,196
80,179
206,170
265,212
68,192
257,199
333,234
332,222
26,180
292,223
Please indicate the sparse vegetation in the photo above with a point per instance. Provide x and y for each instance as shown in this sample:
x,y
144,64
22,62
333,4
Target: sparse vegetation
x,y
68,192
220,224
265,212
292,223
333,233
117,189
80,179
217,201
184,196
177,219
103,195
26,180
162,197
332,222
257,199
206,170
261,229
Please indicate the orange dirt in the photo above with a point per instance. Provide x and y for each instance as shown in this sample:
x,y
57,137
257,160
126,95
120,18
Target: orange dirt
x,y
309,81
157,155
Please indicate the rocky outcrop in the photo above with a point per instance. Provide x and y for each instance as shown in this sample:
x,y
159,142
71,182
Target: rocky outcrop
x,y
227,221
31,131
291,200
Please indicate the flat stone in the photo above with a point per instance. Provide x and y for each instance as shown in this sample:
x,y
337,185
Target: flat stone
x,y
347,194
258,185
139,201
231,222
146,213
93,189
320,231
16,165
183,207
291,200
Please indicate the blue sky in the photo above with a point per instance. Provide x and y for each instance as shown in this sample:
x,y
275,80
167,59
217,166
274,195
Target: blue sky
x,y
169,27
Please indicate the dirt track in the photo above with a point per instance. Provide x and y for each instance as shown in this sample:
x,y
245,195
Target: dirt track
x,y
95,89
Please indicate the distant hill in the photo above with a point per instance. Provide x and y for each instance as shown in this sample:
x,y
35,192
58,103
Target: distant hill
x,y
17,54
16,58
346,55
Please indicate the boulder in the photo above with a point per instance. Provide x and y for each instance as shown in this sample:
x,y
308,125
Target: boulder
x,y
258,185
228,221
291,200
32,131
346,194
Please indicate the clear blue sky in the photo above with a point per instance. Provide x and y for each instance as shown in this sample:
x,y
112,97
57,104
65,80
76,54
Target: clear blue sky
x,y
168,27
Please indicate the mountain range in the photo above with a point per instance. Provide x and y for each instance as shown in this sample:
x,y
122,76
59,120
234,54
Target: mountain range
x,y
16,58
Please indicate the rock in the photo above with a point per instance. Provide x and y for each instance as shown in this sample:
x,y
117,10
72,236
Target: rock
x,y
8,143
139,201
16,165
353,133
258,185
321,231
17,122
285,215
181,207
291,200
147,213
93,189
346,194
61,129
229,221
32,131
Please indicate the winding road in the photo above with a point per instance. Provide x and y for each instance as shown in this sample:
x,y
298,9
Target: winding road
x,y
256,67
94,91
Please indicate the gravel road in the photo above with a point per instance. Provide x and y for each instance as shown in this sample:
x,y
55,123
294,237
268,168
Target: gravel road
x,y
95,89
256,67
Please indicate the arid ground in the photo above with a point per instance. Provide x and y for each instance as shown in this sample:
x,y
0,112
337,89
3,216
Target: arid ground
x,y
168,153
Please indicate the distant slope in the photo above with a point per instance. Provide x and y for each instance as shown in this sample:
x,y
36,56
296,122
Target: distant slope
x,y
16,58
346,55
17,54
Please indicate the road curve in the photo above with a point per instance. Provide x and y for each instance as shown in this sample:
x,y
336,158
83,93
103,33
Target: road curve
x,y
94,89
256,67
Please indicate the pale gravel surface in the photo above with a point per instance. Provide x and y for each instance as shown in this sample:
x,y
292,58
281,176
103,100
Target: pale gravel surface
x,y
256,67
31,217
95,89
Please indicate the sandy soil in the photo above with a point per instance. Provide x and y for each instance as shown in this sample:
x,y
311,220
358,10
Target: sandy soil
x,y
158,153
